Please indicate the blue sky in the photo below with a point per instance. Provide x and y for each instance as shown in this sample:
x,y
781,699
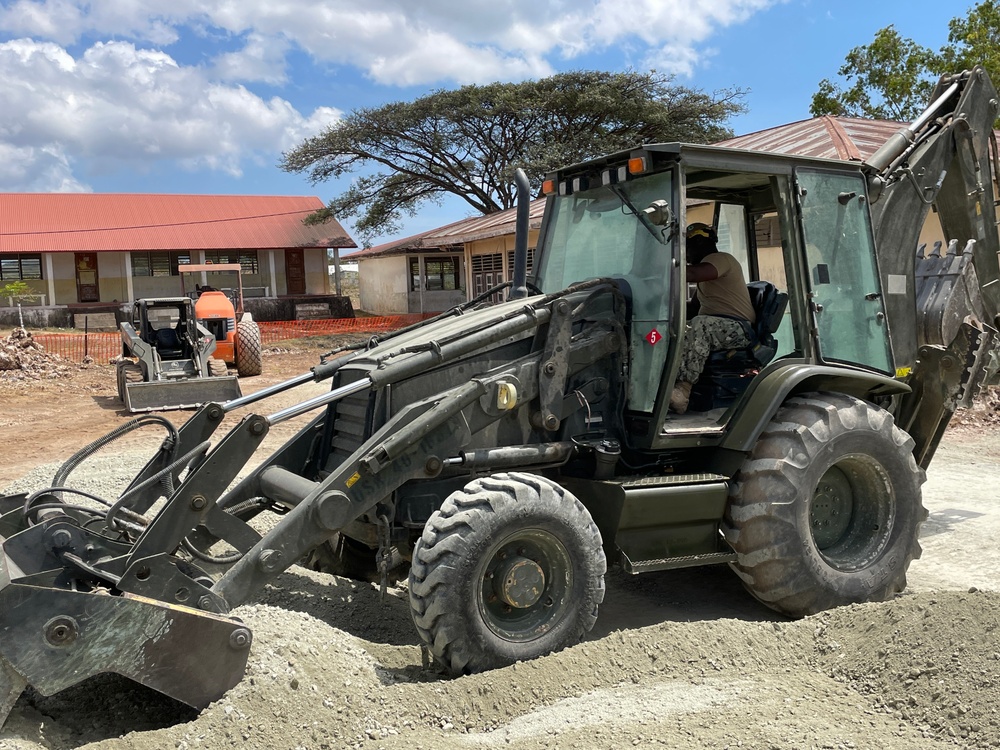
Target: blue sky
x,y
193,96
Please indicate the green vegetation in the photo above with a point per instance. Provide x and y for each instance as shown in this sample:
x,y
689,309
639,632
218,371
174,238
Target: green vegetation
x,y
892,77
468,142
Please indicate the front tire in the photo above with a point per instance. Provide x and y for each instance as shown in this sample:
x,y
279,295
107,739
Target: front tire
x,y
827,509
510,568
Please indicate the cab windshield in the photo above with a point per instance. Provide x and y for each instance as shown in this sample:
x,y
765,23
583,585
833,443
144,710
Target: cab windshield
x,y
603,232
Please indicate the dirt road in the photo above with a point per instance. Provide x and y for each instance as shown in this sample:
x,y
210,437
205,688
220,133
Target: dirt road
x,y
678,659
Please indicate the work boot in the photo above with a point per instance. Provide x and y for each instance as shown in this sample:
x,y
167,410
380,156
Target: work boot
x,y
680,396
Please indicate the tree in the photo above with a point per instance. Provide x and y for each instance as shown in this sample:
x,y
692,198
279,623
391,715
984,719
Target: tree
x,y
893,77
974,40
17,290
469,141
890,79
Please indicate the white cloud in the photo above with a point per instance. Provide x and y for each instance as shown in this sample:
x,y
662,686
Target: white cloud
x,y
117,105
398,41
41,169
176,83
261,59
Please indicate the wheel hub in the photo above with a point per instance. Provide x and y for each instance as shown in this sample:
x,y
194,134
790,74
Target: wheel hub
x,y
832,507
520,582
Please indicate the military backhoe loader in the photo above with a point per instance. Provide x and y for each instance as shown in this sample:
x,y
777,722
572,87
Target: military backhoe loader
x,y
508,454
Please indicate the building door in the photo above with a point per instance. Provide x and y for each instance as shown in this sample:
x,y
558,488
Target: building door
x,y
295,271
87,289
487,272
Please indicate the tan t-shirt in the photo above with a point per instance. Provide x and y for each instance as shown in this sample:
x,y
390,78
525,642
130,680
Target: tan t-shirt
x,y
726,295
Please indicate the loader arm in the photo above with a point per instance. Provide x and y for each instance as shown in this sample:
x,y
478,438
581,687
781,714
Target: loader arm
x,y
412,445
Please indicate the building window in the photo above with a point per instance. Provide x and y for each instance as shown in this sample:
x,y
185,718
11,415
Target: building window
x,y
442,274
20,267
246,258
158,263
510,262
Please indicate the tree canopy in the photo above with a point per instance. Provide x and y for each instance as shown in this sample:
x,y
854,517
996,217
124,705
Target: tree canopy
x,y
892,77
469,141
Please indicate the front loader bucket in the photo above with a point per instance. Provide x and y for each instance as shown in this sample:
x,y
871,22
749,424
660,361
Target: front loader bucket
x,y
53,638
190,393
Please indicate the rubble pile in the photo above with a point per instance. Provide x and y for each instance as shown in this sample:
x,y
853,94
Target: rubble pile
x,y
23,358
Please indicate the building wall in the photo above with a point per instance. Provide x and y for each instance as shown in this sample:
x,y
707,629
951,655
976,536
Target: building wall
x,y
113,271
315,262
113,282
64,277
383,285
317,274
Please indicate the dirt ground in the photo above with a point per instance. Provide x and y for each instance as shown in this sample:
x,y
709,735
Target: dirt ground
x,y
677,659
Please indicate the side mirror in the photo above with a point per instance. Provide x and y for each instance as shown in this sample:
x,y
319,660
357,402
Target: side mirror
x,y
659,213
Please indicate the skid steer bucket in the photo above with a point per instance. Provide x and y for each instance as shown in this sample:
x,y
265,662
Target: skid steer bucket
x,y
162,395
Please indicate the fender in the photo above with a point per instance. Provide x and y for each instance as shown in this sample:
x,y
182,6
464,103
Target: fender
x,y
784,379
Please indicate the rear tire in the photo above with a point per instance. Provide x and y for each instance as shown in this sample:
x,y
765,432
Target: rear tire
x,y
827,509
217,367
247,349
509,568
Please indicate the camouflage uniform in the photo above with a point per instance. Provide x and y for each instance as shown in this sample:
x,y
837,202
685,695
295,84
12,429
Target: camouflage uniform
x,y
706,334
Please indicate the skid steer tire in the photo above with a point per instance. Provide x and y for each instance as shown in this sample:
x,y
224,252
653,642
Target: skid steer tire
x,y
827,509
510,568
217,367
247,349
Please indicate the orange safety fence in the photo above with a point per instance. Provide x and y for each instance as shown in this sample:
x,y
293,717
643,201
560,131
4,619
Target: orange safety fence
x,y
104,346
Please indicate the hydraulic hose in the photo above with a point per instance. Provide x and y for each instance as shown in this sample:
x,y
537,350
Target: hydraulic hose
x,y
67,468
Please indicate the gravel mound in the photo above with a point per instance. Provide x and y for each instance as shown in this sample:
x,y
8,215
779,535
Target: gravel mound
x,y
334,666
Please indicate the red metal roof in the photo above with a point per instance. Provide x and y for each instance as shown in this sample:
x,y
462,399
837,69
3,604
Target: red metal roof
x,y
78,222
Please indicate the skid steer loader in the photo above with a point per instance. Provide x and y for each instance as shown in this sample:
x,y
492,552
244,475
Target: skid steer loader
x,y
507,454
168,359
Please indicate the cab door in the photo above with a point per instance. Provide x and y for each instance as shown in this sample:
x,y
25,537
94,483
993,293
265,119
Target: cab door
x,y
845,289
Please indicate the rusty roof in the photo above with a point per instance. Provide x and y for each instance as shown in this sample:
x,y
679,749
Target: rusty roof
x,y
829,137
80,222
444,239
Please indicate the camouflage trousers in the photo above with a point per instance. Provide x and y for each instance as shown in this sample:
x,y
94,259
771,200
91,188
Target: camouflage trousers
x,y
706,334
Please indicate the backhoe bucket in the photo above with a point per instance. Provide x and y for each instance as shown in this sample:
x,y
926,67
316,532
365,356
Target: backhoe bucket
x,y
947,292
53,638
189,393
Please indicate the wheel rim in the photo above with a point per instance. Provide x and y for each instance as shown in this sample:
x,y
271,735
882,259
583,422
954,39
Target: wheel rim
x,y
523,588
851,512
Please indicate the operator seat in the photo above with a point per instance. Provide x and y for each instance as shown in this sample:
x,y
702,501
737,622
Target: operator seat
x,y
168,344
728,373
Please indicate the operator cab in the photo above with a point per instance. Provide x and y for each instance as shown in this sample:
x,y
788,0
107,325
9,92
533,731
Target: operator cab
x,y
799,228
163,323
